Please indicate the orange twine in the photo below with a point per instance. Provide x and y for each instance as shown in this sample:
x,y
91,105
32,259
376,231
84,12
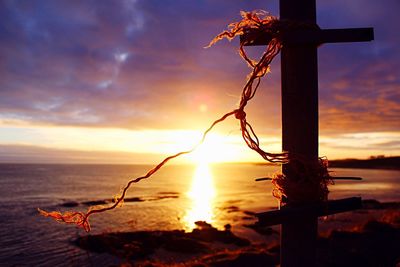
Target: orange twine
x,y
256,20
308,182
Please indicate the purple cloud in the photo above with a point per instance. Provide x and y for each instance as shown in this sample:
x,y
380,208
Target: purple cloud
x,y
141,64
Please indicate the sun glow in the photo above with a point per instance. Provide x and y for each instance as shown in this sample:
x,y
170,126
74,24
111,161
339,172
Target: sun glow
x,y
202,194
100,145
215,148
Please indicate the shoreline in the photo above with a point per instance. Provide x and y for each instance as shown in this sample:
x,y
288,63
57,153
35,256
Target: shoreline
x,y
375,163
363,237
379,163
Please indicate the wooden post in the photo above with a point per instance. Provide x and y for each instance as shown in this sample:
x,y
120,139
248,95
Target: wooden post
x,y
299,74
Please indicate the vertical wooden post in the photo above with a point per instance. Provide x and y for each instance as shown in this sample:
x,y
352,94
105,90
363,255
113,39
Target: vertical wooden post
x,y
299,75
299,127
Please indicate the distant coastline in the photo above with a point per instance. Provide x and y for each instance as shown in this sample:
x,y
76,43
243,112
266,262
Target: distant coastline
x,y
380,162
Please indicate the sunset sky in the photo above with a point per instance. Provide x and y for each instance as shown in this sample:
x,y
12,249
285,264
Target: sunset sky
x,y
130,81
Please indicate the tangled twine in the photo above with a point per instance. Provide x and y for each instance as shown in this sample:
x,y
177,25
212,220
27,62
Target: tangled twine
x,y
307,184
261,22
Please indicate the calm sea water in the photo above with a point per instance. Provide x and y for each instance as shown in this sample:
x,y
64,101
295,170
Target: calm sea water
x,y
174,198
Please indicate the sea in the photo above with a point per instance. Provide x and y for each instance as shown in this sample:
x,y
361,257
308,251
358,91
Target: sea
x,y
174,198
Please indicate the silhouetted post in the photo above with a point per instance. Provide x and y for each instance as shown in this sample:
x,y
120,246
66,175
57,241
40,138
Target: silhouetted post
x,y
299,74
299,78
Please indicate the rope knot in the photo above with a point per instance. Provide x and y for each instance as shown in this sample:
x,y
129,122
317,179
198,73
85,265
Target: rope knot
x,y
240,114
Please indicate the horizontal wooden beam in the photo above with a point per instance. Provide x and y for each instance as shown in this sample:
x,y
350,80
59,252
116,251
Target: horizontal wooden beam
x,y
286,214
306,36
347,178
346,35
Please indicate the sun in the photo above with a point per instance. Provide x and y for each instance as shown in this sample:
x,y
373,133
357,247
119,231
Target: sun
x,y
214,149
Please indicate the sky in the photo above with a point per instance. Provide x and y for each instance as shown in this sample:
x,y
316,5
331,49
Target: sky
x,y
130,81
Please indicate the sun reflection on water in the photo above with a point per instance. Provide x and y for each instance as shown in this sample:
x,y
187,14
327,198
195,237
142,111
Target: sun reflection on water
x,y
202,194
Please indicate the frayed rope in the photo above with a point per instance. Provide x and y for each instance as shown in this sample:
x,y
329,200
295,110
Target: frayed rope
x,y
256,20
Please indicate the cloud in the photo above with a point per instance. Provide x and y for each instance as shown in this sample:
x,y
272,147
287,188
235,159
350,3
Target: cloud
x,y
141,64
359,82
37,154
389,145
